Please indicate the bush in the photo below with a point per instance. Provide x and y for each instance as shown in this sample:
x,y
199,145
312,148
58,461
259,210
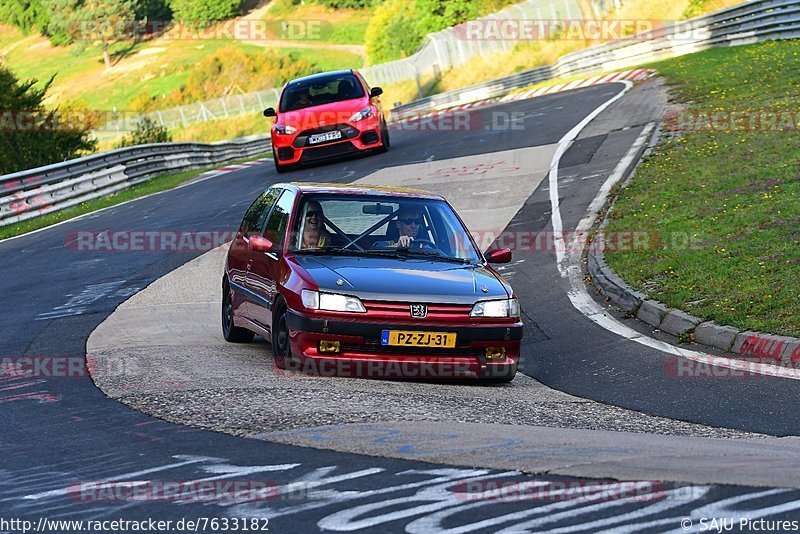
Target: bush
x,y
36,144
392,32
204,13
347,4
147,131
231,70
399,27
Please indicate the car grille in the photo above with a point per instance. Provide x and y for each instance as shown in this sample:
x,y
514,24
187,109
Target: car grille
x,y
328,151
348,132
402,311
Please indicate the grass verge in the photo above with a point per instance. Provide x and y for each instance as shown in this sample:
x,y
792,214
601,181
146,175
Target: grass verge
x,y
159,183
724,201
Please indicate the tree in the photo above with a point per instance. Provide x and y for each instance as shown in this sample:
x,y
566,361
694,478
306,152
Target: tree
x,y
107,21
392,32
435,15
24,14
113,20
32,136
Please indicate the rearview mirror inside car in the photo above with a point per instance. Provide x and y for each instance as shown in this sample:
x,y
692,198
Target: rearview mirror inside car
x,y
377,209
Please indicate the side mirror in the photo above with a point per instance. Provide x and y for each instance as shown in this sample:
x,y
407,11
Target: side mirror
x,y
375,91
500,255
260,244
270,112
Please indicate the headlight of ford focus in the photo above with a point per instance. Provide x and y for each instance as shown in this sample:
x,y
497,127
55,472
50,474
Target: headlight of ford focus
x,y
285,129
496,308
314,300
361,115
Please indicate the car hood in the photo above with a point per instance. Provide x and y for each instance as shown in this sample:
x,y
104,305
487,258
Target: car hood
x,y
403,280
326,114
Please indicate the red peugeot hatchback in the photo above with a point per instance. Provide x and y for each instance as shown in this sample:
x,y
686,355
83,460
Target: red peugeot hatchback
x,y
368,281
328,115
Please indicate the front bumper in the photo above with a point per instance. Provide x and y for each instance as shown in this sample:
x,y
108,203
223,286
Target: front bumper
x,y
293,149
362,354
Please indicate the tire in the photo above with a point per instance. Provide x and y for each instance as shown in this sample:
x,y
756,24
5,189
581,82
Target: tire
x,y
231,333
281,348
385,141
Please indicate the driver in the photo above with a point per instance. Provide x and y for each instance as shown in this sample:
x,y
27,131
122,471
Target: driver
x,y
303,99
409,220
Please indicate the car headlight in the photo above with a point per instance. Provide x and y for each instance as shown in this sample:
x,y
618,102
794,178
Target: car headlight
x,y
314,300
361,115
285,129
496,308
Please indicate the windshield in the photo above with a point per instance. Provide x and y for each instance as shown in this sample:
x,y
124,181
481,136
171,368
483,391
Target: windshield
x,y
323,90
381,226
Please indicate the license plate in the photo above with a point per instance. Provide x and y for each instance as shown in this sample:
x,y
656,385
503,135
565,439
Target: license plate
x,y
404,338
322,137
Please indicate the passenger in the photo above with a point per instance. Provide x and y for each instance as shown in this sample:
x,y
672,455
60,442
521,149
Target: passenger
x,y
314,233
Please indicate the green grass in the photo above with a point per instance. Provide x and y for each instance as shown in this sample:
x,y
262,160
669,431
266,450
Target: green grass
x,y
335,26
154,185
734,195
79,70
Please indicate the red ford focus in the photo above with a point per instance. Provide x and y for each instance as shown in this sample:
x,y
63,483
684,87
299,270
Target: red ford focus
x,y
347,280
325,116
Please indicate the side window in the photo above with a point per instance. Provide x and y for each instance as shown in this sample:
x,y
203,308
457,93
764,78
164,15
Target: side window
x,y
276,225
257,213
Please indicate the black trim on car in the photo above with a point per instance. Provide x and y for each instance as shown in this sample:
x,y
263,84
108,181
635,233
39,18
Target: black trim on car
x,y
372,330
250,294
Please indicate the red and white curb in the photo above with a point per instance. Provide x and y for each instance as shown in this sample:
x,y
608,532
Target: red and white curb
x,y
630,75
236,167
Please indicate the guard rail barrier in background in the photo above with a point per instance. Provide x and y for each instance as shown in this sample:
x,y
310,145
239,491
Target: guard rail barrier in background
x,y
28,194
750,22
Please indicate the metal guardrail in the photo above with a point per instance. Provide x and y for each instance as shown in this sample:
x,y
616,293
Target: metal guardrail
x,y
35,192
750,22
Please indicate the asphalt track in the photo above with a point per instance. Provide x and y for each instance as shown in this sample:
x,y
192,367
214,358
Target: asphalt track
x,y
57,431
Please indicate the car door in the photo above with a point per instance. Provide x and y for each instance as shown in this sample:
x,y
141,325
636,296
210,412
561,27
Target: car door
x,y
264,267
240,256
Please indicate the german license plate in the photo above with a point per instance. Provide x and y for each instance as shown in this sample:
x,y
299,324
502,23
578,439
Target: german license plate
x,y
322,137
405,338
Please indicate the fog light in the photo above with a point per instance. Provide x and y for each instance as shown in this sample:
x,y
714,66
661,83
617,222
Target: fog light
x,y
495,353
328,346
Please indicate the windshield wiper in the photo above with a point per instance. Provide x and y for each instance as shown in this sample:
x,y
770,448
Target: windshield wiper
x,y
422,252
328,250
